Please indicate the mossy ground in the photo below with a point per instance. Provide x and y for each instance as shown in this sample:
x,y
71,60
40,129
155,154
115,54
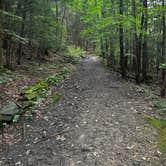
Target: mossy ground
x,y
161,126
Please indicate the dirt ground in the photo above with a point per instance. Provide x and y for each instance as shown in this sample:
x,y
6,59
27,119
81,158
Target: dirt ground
x,y
100,120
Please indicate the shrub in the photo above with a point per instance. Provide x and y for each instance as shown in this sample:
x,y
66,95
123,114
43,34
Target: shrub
x,y
75,52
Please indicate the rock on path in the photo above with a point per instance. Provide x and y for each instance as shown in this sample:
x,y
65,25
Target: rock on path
x,y
97,122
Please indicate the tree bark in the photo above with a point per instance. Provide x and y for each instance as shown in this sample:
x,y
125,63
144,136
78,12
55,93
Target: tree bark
x,y
1,36
57,24
121,42
111,58
145,49
136,52
163,86
22,35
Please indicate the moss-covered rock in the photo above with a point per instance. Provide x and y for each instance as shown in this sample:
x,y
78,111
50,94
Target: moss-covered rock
x,y
8,112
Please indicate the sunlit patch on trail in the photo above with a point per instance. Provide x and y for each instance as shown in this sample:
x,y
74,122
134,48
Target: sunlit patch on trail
x,y
92,59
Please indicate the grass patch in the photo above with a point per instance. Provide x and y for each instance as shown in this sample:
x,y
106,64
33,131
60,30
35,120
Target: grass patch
x,y
161,126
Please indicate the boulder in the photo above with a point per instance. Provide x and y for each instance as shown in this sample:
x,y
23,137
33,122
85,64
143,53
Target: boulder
x,y
7,113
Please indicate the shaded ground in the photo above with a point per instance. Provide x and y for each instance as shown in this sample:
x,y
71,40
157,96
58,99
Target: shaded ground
x,y
28,74
99,121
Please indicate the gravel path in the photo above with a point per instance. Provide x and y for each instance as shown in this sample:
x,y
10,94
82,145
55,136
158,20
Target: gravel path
x,y
99,121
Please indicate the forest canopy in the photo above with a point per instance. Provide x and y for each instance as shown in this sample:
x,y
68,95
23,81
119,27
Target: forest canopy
x,y
129,35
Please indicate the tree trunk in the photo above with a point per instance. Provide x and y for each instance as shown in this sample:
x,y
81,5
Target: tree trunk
x,y
163,87
102,48
145,51
121,38
1,36
127,52
136,51
107,50
22,35
111,58
57,24
139,52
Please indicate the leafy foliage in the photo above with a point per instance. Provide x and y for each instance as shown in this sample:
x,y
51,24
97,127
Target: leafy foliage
x,y
161,105
75,53
163,66
5,80
37,93
16,118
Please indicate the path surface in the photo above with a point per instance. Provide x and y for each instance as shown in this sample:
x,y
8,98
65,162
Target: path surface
x,y
100,122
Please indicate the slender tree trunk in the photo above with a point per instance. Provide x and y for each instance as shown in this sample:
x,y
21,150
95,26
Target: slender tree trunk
x,y
62,22
22,35
1,36
6,43
107,50
102,48
30,35
139,52
121,42
127,52
57,24
163,87
111,57
105,45
145,49
136,51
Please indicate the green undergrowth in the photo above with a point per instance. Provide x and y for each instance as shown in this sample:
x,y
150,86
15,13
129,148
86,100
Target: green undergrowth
x,y
160,125
75,53
147,91
37,93
160,104
4,76
5,71
5,80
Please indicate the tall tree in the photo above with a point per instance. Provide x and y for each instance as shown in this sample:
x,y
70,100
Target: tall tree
x,y
145,49
135,45
1,35
111,58
22,11
121,42
163,88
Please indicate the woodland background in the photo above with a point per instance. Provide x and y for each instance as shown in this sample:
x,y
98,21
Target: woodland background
x,y
129,35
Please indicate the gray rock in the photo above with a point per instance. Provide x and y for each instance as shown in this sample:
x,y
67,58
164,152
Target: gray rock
x,y
7,113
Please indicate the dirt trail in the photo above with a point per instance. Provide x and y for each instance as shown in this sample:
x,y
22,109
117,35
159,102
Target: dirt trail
x,y
104,124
